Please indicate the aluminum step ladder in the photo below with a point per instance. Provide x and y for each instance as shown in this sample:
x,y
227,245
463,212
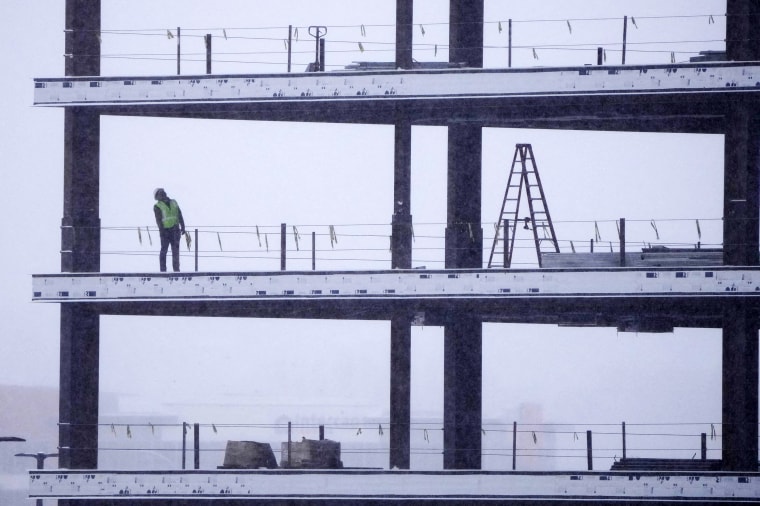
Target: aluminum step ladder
x,y
523,175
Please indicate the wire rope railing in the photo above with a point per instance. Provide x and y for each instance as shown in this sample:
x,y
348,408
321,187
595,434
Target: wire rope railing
x,y
369,246
572,40
140,444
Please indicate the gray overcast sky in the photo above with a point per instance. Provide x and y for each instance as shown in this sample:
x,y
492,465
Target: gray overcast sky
x,y
244,174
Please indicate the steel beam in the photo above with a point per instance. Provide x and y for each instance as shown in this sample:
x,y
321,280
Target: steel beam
x,y
314,487
667,98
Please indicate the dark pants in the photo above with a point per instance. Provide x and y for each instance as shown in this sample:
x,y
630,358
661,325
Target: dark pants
x,y
169,236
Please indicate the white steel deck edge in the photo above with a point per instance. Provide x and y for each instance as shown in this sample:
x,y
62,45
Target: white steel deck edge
x,y
399,284
399,85
346,484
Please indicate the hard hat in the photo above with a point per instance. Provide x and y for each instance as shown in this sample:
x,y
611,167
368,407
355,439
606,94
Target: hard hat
x,y
157,191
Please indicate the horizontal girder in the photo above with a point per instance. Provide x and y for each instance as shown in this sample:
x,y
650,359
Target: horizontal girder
x,y
678,97
632,298
333,485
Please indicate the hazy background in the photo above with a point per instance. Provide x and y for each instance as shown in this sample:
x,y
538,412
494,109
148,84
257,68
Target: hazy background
x,y
230,177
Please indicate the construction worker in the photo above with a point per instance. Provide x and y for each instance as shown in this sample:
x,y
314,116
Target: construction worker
x,y
171,227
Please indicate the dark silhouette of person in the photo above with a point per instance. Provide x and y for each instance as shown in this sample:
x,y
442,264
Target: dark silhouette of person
x,y
171,227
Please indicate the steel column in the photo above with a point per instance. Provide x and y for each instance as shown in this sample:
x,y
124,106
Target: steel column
x,y
740,188
404,33
463,333
464,236
401,257
80,248
462,392
742,19
80,225
80,237
82,44
740,247
742,143
401,246
740,388
400,408
466,32
78,409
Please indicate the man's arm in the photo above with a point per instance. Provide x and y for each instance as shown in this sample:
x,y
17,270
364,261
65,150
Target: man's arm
x,y
159,217
181,220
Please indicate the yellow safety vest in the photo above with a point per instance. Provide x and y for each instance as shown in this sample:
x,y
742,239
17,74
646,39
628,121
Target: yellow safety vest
x,y
169,214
